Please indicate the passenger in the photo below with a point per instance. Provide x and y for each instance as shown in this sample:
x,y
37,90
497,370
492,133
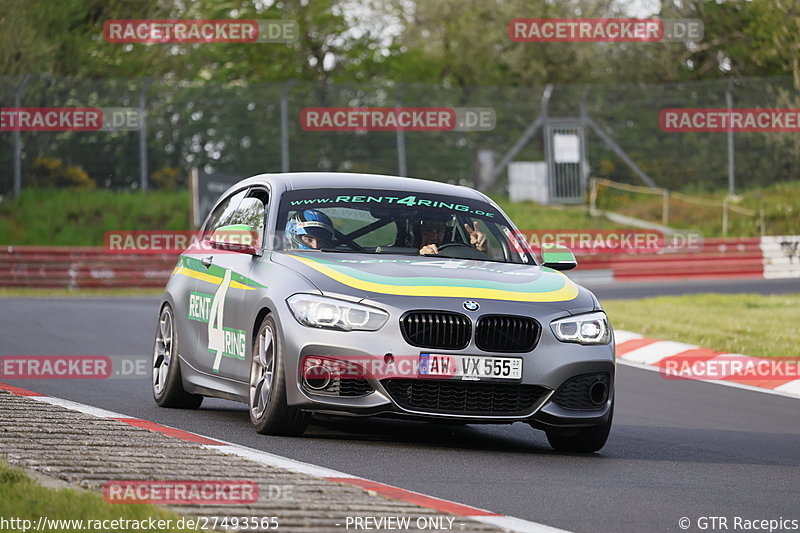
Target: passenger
x,y
433,232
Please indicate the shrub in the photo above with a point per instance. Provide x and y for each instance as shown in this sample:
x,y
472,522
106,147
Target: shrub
x,y
51,173
169,178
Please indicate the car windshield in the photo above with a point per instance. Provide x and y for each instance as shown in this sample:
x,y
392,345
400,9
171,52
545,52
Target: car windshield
x,y
376,221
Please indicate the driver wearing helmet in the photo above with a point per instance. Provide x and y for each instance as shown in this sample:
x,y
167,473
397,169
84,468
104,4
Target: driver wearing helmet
x,y
433,231
309,230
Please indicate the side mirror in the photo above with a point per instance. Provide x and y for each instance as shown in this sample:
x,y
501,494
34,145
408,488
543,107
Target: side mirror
x,y
557,257
234,238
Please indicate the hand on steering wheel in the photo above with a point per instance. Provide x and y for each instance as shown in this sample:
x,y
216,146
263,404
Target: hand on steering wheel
x,y
429,249
471,252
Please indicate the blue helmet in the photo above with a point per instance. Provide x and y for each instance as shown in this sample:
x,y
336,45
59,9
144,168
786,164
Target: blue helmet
x,y
309,222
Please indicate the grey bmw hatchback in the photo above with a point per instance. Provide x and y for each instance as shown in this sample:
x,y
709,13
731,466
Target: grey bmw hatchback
x,y
369,295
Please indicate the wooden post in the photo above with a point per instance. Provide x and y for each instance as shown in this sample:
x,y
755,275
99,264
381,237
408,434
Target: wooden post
x,y
665,208
725,217
761,222
593,197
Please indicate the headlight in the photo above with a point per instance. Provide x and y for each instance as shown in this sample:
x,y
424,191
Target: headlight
x,y
591,328
321,312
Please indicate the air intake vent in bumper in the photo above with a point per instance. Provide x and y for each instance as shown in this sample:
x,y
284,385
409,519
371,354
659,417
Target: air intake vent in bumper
x,y
464,397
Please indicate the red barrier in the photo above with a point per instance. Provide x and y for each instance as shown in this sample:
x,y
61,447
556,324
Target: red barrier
x,y
718,259
81,267
90,267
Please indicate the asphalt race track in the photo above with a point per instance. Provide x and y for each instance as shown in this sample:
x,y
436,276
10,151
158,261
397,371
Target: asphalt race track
x,y
678,448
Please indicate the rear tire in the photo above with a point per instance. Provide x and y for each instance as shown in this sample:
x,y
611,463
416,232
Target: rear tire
x,y
167,383
269,410
585,440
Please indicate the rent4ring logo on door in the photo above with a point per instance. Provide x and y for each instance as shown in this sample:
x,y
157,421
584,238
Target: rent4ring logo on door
x,y
209,309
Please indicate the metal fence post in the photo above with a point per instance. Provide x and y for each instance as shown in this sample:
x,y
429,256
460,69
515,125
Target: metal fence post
x,y
665,208
526,136
143,134
402,170
584,149
194,199
731,169
285,125
18,139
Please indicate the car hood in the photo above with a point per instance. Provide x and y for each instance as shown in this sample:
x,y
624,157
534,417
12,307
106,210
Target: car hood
x,y
371,277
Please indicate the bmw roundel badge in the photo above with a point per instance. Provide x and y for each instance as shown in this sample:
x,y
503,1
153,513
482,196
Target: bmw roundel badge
x,y
469,305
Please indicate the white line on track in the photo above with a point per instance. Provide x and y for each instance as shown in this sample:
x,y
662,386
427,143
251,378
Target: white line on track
x,y
74,406
786,392
516,524
278,461
655,352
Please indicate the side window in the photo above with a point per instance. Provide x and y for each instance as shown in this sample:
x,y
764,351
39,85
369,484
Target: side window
x,y
252,212
223,212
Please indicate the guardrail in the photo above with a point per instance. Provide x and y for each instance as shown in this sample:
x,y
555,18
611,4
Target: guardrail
x,y
718,259
89,267
81,267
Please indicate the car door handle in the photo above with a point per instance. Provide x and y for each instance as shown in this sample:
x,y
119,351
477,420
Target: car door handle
x,y
207,261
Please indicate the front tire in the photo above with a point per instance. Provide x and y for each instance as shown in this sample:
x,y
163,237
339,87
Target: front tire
x,y
167,383
269,410
584,440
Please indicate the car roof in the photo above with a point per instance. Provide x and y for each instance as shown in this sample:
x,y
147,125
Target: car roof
x,y
314,180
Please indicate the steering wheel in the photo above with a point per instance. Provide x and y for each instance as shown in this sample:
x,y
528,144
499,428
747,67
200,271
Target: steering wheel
x,y
454,244
470,252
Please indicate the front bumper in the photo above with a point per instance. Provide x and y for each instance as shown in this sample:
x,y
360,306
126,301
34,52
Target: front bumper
x,y
548,366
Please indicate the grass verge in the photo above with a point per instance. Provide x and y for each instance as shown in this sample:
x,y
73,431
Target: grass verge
x,y
23,498
530,215
62,217
781,204
750,324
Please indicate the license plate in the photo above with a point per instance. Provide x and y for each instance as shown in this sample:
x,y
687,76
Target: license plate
x,y
470,367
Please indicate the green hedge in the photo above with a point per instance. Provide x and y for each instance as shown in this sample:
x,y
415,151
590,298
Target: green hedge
x,y
81,218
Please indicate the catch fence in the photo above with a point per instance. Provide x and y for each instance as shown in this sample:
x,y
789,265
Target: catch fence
x,y
243,128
